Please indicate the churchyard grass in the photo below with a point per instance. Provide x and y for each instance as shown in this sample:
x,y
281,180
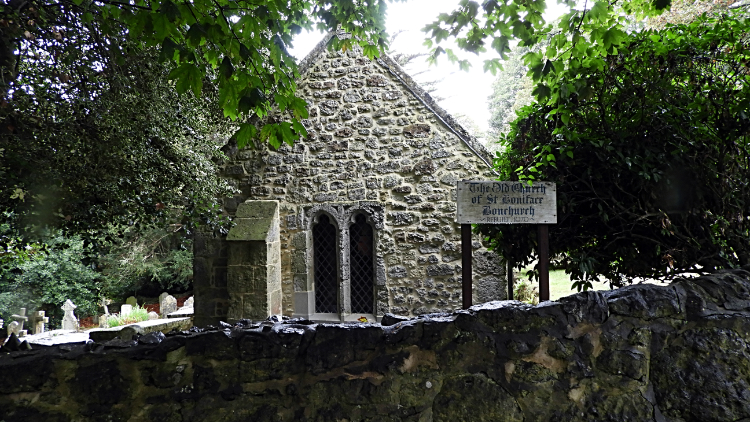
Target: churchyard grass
x,y
138,314
560,284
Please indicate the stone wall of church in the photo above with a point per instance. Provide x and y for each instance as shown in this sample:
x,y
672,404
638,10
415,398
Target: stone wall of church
x,y
370,142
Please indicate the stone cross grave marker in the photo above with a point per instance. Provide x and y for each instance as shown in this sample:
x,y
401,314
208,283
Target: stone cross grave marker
x,y
104,304
21,318
69,322
38,320
168,305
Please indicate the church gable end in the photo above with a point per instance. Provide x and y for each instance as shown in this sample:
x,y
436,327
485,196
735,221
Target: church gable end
x,y
377,157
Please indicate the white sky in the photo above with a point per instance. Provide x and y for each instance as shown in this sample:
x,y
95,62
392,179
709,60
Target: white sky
x,y
464,92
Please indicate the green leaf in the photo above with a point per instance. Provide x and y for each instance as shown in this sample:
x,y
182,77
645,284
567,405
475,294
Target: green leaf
x,y
541,92
599,11
269,133
252,99
195,36
371,51
226,69
285,128
188,77
299,128
612,37
168,48
170,10
245,135
162,26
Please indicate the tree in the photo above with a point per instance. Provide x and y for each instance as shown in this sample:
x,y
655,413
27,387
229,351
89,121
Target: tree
x,y
123,148
240,46
510,91
407,60
577,42
685,11
652,161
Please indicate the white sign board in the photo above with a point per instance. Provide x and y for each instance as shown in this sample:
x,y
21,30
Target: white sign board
x,y
481,202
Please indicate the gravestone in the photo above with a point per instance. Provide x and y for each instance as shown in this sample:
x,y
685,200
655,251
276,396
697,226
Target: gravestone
x,y
1,323
132,301
69,322
104,304
162,296
21,318
125,310
103,321
13,328
189,302
167,305
152,316
38,320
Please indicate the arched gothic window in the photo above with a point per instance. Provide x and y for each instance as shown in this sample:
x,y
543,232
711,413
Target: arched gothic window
x,y
325,253
361,267
343,258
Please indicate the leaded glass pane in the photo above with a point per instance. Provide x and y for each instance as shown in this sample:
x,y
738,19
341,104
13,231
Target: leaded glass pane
x,y
361,266
326,268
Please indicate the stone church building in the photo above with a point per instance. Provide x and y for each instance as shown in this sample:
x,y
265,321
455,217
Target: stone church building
x,y
356,220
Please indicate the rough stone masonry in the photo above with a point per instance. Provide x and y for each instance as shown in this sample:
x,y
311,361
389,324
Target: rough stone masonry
x,y
377,145
641,353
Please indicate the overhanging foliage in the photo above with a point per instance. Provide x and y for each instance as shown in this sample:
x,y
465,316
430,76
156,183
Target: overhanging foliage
x,y
651,158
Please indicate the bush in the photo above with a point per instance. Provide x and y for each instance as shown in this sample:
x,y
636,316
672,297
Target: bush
x,y
149,260
46,279
651,157
524,291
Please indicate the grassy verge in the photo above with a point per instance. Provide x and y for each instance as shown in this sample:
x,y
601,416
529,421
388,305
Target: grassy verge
x,y
561,286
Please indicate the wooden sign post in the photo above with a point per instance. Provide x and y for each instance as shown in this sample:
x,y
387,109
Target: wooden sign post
x,y
483,202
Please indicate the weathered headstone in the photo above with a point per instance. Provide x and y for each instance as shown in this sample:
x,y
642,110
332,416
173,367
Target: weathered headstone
x,y
104,304
162,296
69,322
1,323
132,301
13,328
168,305
125,310
189,302
103,321
38,320
21,318
152,315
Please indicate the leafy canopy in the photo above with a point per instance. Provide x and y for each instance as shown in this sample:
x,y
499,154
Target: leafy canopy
x,y
651,161
580,39
239,46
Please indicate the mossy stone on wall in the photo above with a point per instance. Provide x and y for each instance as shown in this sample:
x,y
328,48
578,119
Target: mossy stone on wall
x,y
571,360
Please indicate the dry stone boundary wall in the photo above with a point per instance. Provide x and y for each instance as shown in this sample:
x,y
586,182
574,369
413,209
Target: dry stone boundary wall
x,y
642,353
